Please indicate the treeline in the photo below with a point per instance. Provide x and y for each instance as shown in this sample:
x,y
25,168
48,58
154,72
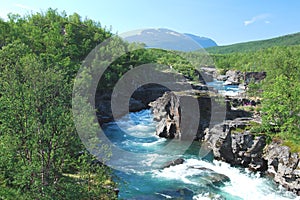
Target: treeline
x,y
41,155
286,40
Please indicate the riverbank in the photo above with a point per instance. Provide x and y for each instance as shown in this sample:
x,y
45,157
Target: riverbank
x,y
146,175
232,140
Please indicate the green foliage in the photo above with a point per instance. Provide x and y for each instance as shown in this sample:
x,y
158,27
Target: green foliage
x,y
176,60
293,144
280,90
39,57
287,40
281,105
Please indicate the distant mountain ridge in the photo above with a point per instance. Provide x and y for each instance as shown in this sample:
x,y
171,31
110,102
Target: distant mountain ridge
x,y
203,41
286,40
170,40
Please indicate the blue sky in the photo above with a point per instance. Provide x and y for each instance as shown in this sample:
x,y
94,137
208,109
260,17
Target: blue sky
x,y
225,21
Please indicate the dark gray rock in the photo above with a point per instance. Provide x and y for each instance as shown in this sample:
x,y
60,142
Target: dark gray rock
x,y
221,78
283,166
148,93
243,149
228,143
211,176
234,77
166,111
254,76
136,105
177,161
181,193
219,179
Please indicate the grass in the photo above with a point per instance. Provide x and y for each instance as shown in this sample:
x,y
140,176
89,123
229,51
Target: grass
x,y
294,146
250,126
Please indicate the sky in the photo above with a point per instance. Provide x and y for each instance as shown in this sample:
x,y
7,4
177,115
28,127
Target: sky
x,y
224,21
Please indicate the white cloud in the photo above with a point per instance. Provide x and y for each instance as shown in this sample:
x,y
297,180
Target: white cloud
x,y
257,18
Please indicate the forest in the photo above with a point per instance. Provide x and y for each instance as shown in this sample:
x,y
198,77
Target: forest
x,y
41,155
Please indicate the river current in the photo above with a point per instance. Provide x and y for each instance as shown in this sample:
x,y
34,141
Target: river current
x,y
141,175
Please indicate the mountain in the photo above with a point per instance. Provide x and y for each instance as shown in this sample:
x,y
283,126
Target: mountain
x,y
203,41
168,39
287,40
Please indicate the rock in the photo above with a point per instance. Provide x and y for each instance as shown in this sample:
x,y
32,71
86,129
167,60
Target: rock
x,y
207,77
177,161
254,76
226,150
104,113
207,74
222,78
211,176
234,77
219,179
181,193
136,105
166,111
247,150
242,149
283,166
148,93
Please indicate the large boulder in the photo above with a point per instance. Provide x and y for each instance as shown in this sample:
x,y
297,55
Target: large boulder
x,y
211,176
175,162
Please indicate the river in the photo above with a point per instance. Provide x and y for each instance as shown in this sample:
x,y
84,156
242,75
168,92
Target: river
x,y
140,176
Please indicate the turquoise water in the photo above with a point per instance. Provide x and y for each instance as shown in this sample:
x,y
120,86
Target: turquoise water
x,y
140,175
230,90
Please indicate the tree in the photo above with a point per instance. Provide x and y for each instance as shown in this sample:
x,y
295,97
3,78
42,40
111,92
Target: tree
x,y
40,151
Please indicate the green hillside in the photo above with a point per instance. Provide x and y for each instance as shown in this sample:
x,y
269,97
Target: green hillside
x,y
287,40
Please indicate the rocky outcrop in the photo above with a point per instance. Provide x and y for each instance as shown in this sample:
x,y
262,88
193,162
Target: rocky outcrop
x,y
149,92
176,114
138,101
207,74
169,109
175,162
284,166
254,76
236,102
247,150
239,149
230,141
166,111
233,77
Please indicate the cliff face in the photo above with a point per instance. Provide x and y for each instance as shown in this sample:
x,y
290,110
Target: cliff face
x,y
228,140
167,112
247,150
175,114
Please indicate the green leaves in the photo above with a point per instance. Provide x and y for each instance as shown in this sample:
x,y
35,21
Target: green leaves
x,y
279,91
38,139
